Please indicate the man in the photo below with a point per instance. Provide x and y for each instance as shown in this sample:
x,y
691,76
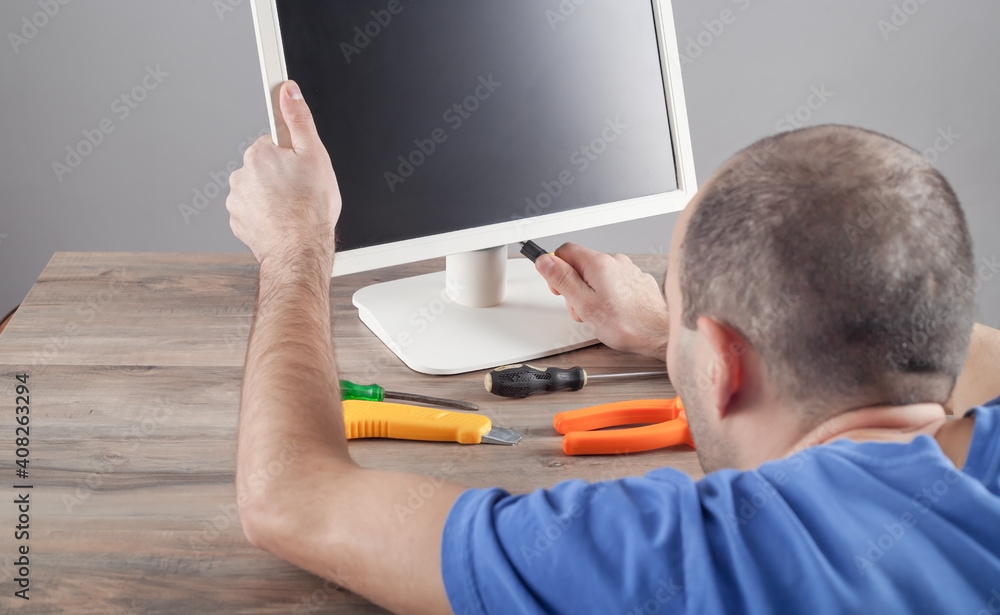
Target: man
x,y
818,310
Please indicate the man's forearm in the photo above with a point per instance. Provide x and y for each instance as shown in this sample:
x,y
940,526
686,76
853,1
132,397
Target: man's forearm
x,y
979,381
290,407
300,495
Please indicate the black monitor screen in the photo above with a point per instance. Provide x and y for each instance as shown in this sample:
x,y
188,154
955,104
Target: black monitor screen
x,y
441,115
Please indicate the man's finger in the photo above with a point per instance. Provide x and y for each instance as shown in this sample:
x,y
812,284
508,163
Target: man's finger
x,y
578,257
563,278
298,118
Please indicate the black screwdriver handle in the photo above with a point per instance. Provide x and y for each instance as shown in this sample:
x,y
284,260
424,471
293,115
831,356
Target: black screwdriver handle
x,y
523,380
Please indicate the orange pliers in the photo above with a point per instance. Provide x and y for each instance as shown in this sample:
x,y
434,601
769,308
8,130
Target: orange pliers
x,y
667,426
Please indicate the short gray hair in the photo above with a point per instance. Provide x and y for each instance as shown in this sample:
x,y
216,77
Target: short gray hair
x,y
845,261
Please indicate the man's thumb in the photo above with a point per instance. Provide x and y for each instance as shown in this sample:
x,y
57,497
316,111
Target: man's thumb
x,y
298,118
561,276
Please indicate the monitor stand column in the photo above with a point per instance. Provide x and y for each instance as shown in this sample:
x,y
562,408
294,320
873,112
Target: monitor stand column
x,y
484,311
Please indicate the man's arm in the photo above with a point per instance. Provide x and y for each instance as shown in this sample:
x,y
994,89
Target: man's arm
x,y
979,380
300,495
624,305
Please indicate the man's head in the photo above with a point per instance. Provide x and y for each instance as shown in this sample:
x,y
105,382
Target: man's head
x,y
820,270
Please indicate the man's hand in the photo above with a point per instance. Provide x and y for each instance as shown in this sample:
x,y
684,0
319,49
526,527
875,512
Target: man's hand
x,y
624,305
285,201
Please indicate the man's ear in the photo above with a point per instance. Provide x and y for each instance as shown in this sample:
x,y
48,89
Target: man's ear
x,y
726,369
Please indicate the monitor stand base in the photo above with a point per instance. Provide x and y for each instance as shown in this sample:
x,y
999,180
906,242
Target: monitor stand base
x,y
432,333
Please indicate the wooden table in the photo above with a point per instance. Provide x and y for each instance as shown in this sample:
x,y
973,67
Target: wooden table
x,y
134,364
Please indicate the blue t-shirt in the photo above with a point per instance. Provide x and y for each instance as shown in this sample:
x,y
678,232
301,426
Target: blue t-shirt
x,y
846,527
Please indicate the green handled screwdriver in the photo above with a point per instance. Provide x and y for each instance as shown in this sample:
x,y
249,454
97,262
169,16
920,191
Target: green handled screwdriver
x,y
373,392
522,380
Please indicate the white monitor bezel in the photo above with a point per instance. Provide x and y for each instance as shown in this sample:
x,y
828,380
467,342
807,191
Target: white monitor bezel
x,y
274,73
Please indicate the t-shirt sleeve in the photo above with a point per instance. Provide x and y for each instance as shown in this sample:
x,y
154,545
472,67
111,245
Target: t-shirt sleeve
x,y
983,459
578,547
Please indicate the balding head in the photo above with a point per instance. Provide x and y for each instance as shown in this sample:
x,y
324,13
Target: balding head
x,y
843,259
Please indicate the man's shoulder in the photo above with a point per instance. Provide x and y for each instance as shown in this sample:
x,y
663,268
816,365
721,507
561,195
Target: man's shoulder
x,y
983,460
866,510
990,410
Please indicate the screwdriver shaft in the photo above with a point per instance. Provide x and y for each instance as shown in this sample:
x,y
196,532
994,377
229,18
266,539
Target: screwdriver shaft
x,y
373,392
433,401
626,376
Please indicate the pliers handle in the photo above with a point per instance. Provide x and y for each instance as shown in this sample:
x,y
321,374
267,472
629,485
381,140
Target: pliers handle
x,y
668,427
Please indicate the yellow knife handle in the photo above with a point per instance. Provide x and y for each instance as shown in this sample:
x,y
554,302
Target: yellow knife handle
x,y
374,419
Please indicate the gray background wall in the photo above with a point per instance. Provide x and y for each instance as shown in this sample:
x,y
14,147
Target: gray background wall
x,y
934,72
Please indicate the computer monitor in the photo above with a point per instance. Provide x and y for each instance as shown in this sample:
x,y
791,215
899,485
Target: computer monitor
x,y
459,127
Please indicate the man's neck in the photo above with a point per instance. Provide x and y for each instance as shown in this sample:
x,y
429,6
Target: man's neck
x,y
954,438
896,424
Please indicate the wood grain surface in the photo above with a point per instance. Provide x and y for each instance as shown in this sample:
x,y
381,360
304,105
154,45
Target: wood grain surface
x,y
134,364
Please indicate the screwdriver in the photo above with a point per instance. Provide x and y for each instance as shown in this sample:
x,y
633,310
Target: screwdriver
x,y
373,392
522,380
